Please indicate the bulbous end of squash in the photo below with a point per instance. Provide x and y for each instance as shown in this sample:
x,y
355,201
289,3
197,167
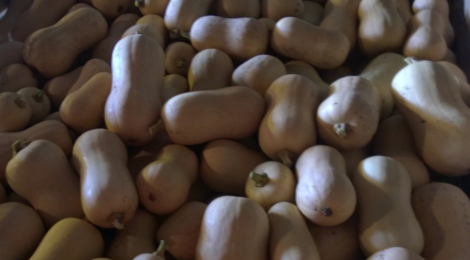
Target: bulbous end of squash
x,y
260,179
20,102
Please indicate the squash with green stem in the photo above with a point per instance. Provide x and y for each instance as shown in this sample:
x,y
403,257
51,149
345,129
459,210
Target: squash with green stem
x,y
157,255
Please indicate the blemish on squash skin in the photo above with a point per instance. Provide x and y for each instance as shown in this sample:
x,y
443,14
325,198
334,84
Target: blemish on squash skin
x,y
327,212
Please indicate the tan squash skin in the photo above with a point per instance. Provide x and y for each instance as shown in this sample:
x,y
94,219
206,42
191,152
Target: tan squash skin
x,y
210,69
246,230
78,6
181,14
157,22
426,40
278,9
164,184
240,38
199,192
39,103
270,183
354,157
330,76
147,30
395,253
181,230
57,88
349,117
439,114
72,239
288,127
109,197
13,14
330,239
238,115
443,211
53,131
324,193
380,71
461,79
157,7
90,69
258,73
341,15
386,218
133,105
112,8
297,39
22,230
442,8
40,14
78,31
238,8
302,68
268,23
15,112
15,77
138,237
226,164
42,175
104,49
83,109
11,53
381,28
404,10
174,85
178,57
289,236
450,57
394,139
313,12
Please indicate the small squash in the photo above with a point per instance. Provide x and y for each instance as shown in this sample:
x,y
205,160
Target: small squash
x,y
237,8
11,53
12,16
157,7
395,253
174,85
210,69
39,103
15,112
90,69
15,77
57,88
278,9
178,57
302,68
180,15
341,15
112,8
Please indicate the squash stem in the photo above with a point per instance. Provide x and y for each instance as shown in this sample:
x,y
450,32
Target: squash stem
x,y
341,130
139,3
180,63
185,35
410,60
20,102
157,127
260,179
117,219
286,158
39,96
17,147
160,250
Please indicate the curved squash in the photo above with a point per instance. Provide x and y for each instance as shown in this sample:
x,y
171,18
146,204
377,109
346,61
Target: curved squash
x,y
180,15
89,70
442,8
39,103
341,15
278,9
302,68
15,77
210,69
15,112
57,88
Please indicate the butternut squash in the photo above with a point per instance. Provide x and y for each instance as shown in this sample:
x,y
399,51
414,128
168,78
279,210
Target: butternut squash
x,y
329,239
443,211
289,237
246,230
302,68
57,88
53,131
15,77
226,165
240,38
199,192
210,69
349,117
283,135
134,103
70,238
136,238
381,28
462,81
39,15
180,15
380,72
157,22
395,253
324,193
178,57
81,30
341,15
426,40
90,69
109,197
450,57
164,184
237,8
112,8
278,9
15,112
42,175
104,49
404,10
386,218
428,97
270,183
78,6
147,30
313,12
298,39
157,255
258,73
174,85
39,103
352,158
394,139
442,8
157,7
11,17
181,230
190,118
268,23
22,230
11,53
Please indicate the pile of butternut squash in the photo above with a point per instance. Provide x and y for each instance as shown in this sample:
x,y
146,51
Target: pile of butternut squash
x,y
232,129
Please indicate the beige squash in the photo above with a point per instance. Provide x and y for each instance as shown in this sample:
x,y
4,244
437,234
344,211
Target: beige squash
x,y
146,30
156,22
57,88
461,79
442,8
313,12
15,77
173,85
341,15
157,7
15,112
180,15
302,68
238,8
395,253
354,157
210,69
89,70
178,57
404,10
278,9
39,103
